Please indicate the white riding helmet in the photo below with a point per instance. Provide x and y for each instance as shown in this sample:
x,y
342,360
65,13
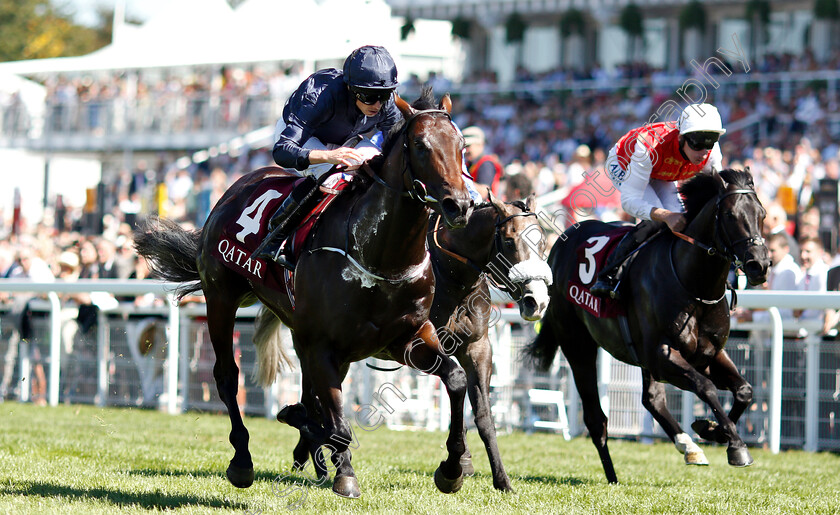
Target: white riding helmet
x,y
700,118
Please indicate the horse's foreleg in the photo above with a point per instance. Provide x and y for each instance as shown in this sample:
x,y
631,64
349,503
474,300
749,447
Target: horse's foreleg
x,y
725,375
311,431
654,400
676,370
338,431
424,353
477,360
220,321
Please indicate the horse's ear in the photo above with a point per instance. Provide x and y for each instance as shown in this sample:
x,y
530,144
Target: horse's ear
x,y
403,106
498,204
446,103
531,203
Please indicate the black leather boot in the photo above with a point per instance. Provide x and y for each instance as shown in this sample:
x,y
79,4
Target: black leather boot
x,y
607,283
608,277
290,213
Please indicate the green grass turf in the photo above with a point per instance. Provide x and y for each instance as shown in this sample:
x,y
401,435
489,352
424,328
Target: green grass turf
x,y
83,459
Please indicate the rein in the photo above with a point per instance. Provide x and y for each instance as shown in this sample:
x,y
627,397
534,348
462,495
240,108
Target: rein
x,y
496,248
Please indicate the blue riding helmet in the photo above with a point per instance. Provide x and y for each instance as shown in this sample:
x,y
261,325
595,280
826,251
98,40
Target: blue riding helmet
x,y
370,67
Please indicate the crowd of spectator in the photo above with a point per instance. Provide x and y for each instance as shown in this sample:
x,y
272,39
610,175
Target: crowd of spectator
x,y
548,137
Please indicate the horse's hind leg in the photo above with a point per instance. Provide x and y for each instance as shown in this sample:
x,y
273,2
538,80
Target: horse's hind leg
x,y
674,369
653,399
725,375
221,315
477,360
582,354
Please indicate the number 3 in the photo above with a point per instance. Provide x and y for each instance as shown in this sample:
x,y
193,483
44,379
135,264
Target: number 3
x,y
587,269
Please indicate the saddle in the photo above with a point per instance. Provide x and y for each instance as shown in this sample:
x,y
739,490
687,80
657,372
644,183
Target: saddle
x,y
590,257
243,235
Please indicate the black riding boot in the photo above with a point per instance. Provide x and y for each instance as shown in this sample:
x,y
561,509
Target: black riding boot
x,y
608,277
289,215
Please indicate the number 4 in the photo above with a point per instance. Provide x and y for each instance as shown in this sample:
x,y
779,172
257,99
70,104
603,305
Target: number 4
x,y
251,224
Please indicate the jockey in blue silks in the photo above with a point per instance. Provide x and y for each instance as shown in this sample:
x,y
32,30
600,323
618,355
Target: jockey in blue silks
x,y
325,123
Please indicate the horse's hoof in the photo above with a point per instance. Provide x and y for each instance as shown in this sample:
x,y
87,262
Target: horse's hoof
x,y
446,485
239,477
347,486
504,487
739,456
293,415
467,465
709,430
696,458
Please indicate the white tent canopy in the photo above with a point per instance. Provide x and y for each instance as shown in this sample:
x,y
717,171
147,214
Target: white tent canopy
x,y
202,32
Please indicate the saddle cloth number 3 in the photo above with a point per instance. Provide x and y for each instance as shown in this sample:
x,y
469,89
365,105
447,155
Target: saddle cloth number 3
x,y
250,218
586,270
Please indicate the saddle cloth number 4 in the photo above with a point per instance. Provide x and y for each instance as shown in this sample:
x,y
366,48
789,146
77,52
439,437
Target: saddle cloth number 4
x,y
251,216
586,269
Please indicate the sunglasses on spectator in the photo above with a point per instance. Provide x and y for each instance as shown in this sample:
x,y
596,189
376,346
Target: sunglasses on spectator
x,y
371,97
701,140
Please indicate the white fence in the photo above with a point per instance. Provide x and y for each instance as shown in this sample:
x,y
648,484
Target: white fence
x,y
794,406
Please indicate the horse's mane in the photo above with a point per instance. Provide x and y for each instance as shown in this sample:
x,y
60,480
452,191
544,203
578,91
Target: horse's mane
x,y
362,180
426,101
703,187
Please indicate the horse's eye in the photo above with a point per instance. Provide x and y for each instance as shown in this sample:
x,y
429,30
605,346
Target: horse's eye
x,y
510,243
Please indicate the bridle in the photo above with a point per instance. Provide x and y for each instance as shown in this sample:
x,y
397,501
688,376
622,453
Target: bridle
x,y
722,237
416,189
496,249
723,240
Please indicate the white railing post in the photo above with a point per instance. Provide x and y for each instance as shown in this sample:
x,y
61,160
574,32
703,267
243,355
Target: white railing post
x,y
812,391
174,332
604,375
55,349
775,436
102,353
687,408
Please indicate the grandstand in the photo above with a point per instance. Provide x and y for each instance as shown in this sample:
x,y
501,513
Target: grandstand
x,y
167,131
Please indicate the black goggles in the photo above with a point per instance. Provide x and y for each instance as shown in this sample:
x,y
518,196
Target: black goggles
x,y
370,97
701,140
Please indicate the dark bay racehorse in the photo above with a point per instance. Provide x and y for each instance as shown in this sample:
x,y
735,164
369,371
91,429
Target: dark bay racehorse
x,y
503,241
363,285
678,315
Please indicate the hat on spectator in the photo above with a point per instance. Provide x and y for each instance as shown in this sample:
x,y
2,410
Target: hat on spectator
x,y
68,259
473,135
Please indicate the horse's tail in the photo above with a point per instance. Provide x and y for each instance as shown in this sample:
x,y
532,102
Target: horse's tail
x,y
171,253
541,351
270,353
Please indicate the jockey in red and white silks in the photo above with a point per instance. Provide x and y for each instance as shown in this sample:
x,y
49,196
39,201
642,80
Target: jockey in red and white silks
x,y
647,162
645,166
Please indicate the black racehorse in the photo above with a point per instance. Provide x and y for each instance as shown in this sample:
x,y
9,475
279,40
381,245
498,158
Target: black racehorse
x,y
363,285
502,241
678,316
